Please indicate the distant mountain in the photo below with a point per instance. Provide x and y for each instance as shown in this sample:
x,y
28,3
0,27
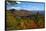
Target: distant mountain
x,y
25,12
40,12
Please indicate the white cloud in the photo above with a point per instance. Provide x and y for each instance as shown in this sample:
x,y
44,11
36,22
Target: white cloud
x,y
17,8
8,2
18,2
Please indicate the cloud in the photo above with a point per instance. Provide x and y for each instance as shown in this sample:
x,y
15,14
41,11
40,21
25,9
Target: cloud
x,y
18,2
8,3
17,8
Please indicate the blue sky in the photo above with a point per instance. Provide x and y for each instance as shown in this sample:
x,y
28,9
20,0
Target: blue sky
x,y
26,5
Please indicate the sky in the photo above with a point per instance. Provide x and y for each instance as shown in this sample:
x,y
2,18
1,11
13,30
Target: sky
x,y
26,5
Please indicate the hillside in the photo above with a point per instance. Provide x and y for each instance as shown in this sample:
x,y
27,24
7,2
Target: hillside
x,y
25,12
23,19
